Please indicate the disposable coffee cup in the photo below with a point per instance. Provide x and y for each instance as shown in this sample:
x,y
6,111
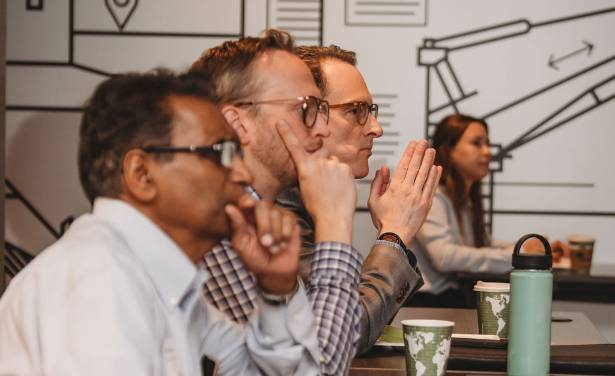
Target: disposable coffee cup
x,y
427,344
493,307
581,252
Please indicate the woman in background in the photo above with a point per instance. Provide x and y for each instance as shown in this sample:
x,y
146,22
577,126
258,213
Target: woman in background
x,y
453,237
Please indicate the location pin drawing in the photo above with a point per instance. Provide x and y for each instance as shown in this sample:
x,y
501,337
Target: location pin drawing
x,y
121,10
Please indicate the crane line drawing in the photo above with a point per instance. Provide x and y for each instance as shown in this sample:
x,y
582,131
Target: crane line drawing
x,y
434,55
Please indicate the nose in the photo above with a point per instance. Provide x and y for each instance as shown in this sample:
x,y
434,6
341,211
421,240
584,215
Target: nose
x,y
320,128
487,151
240,173
372,127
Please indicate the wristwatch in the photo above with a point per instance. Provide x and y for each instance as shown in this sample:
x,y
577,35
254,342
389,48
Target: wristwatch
x,y
392,237
276,300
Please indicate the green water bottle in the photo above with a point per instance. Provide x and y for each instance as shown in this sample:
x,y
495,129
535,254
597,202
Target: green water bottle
x,y
531,288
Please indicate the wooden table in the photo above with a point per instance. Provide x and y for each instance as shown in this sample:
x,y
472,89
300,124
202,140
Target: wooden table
x,y
577,347
596,286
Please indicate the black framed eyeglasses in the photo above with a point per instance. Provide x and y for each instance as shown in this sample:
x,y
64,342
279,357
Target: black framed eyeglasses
x,y
310,106
361,110
224,152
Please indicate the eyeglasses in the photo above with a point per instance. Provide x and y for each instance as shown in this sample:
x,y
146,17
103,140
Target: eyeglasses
x,y
361,110
224,152
310,106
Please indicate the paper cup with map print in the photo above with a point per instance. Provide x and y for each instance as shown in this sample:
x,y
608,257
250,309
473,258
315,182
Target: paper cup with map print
x,y
427,343
493,306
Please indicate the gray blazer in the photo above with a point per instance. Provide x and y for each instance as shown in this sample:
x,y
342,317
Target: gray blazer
x,y
387,279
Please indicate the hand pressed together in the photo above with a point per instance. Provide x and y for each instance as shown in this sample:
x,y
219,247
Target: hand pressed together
x,y
401,203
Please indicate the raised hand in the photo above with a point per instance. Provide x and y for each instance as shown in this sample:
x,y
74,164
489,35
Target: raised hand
x,y
327,188
401,203
267,241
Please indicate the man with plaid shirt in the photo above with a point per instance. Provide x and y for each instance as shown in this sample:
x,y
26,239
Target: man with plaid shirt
x,y
254,81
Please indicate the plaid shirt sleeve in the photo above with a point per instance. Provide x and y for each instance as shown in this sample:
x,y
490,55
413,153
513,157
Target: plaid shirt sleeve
x,y
333,289
231,288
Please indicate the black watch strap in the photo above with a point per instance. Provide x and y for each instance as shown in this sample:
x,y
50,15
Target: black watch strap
x,y
395,239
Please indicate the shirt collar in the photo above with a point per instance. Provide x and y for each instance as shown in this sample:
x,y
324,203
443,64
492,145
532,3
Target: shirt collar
x,y
173,274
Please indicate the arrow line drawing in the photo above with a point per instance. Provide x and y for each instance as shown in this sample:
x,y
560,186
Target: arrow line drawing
x,y
553,61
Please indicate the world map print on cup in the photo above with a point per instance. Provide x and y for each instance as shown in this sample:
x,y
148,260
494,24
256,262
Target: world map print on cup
x,y
427,346
493,307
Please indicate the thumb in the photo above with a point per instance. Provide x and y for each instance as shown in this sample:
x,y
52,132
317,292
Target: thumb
x,y
295,149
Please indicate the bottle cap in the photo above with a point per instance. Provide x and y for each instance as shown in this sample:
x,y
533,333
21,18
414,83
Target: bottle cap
x,y
532,261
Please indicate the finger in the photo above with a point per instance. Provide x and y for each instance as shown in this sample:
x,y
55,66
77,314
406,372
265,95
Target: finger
x,y
425,168
263,225
415,162
432,183
246,202
402,166
275,227
292,143
237,219
288,224
294,244
376,188
386,178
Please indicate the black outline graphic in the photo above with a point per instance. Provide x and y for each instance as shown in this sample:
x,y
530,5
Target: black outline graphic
x,y
294,29
553,61
380,13
15,259
121,24
70,62
439,63
12,191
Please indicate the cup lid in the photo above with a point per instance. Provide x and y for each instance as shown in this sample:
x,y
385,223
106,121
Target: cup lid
x,y
579,238
428,323
492,286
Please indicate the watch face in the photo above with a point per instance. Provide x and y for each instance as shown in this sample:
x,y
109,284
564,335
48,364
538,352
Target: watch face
x,y
393,238
390,238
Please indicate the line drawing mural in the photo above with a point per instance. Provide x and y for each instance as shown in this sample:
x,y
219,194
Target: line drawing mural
x,y
422,59
120,12
436,54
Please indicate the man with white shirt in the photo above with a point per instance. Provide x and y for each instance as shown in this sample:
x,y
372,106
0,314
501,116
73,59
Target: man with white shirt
x,y
121,291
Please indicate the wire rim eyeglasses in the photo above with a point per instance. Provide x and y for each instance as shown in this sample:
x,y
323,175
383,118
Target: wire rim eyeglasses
x,y
363,109
224,152
310,106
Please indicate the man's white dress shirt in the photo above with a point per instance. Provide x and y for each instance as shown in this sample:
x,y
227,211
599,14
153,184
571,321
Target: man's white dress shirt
x,y
116,296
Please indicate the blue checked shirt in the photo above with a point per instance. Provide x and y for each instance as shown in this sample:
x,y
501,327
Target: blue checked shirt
x,y
332,288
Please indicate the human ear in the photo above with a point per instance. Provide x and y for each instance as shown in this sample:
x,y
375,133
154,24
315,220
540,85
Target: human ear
x,y
137,180
233,117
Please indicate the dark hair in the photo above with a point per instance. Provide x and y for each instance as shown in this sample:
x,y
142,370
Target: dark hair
x,y
313,55
447,135
229,64
128,111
